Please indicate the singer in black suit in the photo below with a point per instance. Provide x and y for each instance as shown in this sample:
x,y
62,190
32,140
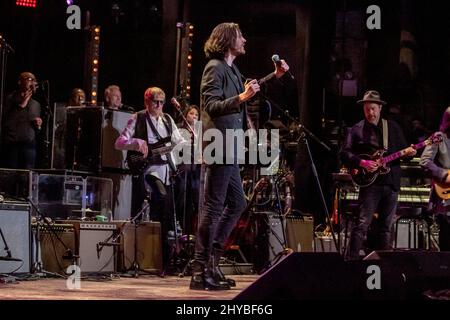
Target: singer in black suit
x,y
21,122
223,106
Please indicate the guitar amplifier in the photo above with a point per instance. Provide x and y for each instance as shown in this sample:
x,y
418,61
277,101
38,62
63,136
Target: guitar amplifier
x,y
15,227
53,252
297,230
93,256
148,245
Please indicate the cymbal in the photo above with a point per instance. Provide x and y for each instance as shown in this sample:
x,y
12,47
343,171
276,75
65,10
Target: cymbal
x,y
87,211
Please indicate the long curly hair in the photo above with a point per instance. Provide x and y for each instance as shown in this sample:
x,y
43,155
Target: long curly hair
x,y
222,38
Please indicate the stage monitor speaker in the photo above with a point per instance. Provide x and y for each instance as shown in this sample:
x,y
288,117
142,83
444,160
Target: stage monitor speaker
x,y
94,257
149,250
15,226
417,263
382,275
304,276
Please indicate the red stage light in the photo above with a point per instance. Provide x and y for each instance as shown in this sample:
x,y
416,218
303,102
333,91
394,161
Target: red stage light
x,y
26,3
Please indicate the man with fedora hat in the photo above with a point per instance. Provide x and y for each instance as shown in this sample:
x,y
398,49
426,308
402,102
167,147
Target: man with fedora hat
x,y
366,137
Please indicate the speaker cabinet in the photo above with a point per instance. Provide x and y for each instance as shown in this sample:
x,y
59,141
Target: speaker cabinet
x,y
148,244
52,250
90,136
381,275
298,233
304,276
15,226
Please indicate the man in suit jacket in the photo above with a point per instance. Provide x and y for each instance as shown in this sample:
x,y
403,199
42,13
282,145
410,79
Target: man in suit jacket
x,y
223,101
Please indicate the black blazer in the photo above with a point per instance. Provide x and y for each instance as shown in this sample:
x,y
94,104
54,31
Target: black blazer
x,y
219,101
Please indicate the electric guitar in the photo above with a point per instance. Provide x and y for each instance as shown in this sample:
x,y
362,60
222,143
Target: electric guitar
x,y
364,178
442,189
136,161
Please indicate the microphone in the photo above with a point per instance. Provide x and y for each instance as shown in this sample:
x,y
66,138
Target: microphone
x,y
102,244
175,103
277,60
9,259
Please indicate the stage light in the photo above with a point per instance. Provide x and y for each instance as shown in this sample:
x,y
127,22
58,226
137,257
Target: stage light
x,y
69,2
26,3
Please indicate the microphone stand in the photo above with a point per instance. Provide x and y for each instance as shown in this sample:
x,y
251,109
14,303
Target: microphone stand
x,y
185,185
8,251
47,116
114,241
303,139
135,267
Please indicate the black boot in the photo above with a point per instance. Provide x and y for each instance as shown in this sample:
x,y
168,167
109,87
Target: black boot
x,y
218,274
203,279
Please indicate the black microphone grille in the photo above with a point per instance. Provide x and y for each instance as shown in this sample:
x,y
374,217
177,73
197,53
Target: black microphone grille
x,y
276,58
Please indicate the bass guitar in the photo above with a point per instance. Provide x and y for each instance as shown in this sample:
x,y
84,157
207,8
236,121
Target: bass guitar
x,y
136,161
364,178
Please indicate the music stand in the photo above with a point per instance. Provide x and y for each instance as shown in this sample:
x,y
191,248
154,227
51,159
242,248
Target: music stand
x,y
343,183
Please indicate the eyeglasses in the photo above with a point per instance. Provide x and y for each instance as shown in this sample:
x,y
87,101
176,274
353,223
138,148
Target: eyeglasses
x,y
158,101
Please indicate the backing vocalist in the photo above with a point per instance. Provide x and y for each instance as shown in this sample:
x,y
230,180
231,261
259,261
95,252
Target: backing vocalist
x,y
21,119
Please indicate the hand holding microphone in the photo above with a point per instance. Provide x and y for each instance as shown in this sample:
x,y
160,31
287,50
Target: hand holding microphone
x,y
281,67
38,122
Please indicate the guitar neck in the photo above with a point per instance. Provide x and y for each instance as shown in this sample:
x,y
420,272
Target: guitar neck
x,y
402,152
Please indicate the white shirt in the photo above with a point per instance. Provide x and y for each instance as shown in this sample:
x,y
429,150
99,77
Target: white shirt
x,y
126,142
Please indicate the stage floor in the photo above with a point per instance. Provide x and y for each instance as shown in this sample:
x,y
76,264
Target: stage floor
x,y
145,287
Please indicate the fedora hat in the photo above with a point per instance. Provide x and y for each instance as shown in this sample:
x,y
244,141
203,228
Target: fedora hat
x,y
372,96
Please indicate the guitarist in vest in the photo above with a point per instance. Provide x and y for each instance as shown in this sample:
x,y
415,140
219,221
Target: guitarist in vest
x,y
149,130
435,160
381,196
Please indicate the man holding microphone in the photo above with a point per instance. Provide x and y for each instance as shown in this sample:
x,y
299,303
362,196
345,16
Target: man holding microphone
x,y
21,122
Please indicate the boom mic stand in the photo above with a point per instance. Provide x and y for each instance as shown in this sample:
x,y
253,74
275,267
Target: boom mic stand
x,y
48,115
5,278
304,140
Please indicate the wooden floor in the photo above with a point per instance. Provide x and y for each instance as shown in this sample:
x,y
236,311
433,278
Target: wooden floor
x,y
145,287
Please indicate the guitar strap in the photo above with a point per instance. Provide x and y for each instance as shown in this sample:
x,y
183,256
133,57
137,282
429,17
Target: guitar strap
x,y
168,126
385,133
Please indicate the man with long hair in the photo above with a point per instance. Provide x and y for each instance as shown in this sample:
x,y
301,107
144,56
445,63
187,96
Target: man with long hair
x,y
223,101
